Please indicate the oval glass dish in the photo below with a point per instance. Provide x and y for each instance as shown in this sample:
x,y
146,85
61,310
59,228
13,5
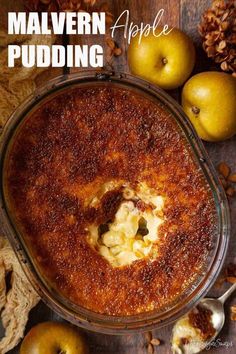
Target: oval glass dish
x,y
78,314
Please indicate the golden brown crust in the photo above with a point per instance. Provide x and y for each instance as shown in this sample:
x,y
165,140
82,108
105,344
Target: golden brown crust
x,y
201,319
62,154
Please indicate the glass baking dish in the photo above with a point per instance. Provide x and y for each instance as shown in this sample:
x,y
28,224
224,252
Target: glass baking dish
x,y
79,315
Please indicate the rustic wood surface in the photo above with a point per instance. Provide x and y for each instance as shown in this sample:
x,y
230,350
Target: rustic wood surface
x,y
184,14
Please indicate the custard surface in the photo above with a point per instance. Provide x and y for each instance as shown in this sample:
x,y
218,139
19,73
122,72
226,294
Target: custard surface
x,y
60,159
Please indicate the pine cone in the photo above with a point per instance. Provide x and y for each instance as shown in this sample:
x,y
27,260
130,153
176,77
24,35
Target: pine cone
x,y
218,31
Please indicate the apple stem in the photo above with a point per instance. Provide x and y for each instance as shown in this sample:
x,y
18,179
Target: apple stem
x,y
164,61
195,110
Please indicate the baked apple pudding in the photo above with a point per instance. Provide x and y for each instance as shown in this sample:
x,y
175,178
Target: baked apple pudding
x,y
132,233
106,193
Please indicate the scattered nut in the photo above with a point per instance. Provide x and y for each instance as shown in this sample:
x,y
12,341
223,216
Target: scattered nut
x,y
229,275
226,179
150,349
233,317
151,342
233,313
111,50
233,308
231,280
230,191
148,336
155,341
224,169
117,51
110,43
232,178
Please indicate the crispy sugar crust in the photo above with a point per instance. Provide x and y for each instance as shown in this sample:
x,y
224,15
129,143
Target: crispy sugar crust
x,y
60,157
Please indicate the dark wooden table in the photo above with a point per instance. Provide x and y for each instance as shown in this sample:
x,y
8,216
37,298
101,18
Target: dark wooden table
x,y
184,14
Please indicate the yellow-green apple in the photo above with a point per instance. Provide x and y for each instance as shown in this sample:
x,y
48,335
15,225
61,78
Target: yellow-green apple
x,y
209,100
166,60
53,338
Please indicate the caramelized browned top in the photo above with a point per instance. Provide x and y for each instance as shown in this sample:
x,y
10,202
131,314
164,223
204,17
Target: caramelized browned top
x,y
201,319
62,154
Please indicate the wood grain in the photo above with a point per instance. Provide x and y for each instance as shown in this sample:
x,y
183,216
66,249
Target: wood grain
x,y
186,15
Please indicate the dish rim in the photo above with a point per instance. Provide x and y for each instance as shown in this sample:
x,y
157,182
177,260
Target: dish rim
x,y
76,314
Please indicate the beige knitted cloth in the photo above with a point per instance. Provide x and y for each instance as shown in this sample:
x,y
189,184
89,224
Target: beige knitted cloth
x,y
15,85
16,303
